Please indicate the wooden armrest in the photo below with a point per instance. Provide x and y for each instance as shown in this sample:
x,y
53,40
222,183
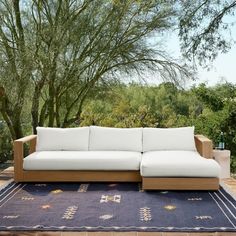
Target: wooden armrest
x,y
204,146
26,139
31,139
19,154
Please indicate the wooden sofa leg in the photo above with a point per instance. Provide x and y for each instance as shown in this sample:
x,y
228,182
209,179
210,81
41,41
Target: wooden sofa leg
x,y
18,161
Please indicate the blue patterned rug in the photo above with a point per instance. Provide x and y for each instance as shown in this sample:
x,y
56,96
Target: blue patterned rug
x,y
113,207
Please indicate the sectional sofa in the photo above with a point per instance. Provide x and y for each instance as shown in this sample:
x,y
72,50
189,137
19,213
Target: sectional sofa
x,y
172,158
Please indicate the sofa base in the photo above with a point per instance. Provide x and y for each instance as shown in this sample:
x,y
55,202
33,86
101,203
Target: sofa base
x,y
77,176
180,183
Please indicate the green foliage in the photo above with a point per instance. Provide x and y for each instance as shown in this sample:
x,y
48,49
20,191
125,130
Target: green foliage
x,y
5,143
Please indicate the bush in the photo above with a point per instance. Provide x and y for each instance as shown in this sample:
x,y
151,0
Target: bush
x,y
5,143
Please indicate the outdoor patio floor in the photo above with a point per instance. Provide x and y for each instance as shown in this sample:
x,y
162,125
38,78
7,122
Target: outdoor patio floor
x,y
7,174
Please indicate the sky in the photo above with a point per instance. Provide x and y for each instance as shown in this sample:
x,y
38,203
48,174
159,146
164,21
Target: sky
x,y
222,69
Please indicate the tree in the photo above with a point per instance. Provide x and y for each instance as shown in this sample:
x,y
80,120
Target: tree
x,y
53,53
210,97
15,65
204,29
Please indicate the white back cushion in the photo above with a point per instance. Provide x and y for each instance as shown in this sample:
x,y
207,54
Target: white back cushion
x,y
56,139
115,139
155,139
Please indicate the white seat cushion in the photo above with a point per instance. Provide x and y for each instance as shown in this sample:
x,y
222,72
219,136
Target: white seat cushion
x,y
82,160
115,139
177,164
155,139
56,139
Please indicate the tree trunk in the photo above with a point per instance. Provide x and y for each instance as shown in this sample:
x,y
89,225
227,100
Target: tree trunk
x,y
51,114
18,127
43,114
11,117
35,107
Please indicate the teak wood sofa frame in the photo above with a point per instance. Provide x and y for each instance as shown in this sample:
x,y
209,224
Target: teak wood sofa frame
x,y
203,145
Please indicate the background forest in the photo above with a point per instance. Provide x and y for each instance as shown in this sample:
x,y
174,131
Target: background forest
x,y
210,109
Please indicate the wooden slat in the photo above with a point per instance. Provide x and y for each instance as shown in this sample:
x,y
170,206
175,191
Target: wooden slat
x,y
204,234
99,234
122,234
17,233
180,183
81,176
74,234
47,233
176,234
7,174
149,234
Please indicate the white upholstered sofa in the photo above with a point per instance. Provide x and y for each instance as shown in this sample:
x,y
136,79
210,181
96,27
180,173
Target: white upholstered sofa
x,y
170,158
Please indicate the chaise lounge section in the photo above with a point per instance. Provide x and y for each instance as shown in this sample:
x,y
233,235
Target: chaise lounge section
x,y
170,160
159,158
175,169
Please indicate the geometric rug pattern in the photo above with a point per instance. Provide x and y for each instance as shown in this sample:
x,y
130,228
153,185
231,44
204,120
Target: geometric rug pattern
x,y
113,207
